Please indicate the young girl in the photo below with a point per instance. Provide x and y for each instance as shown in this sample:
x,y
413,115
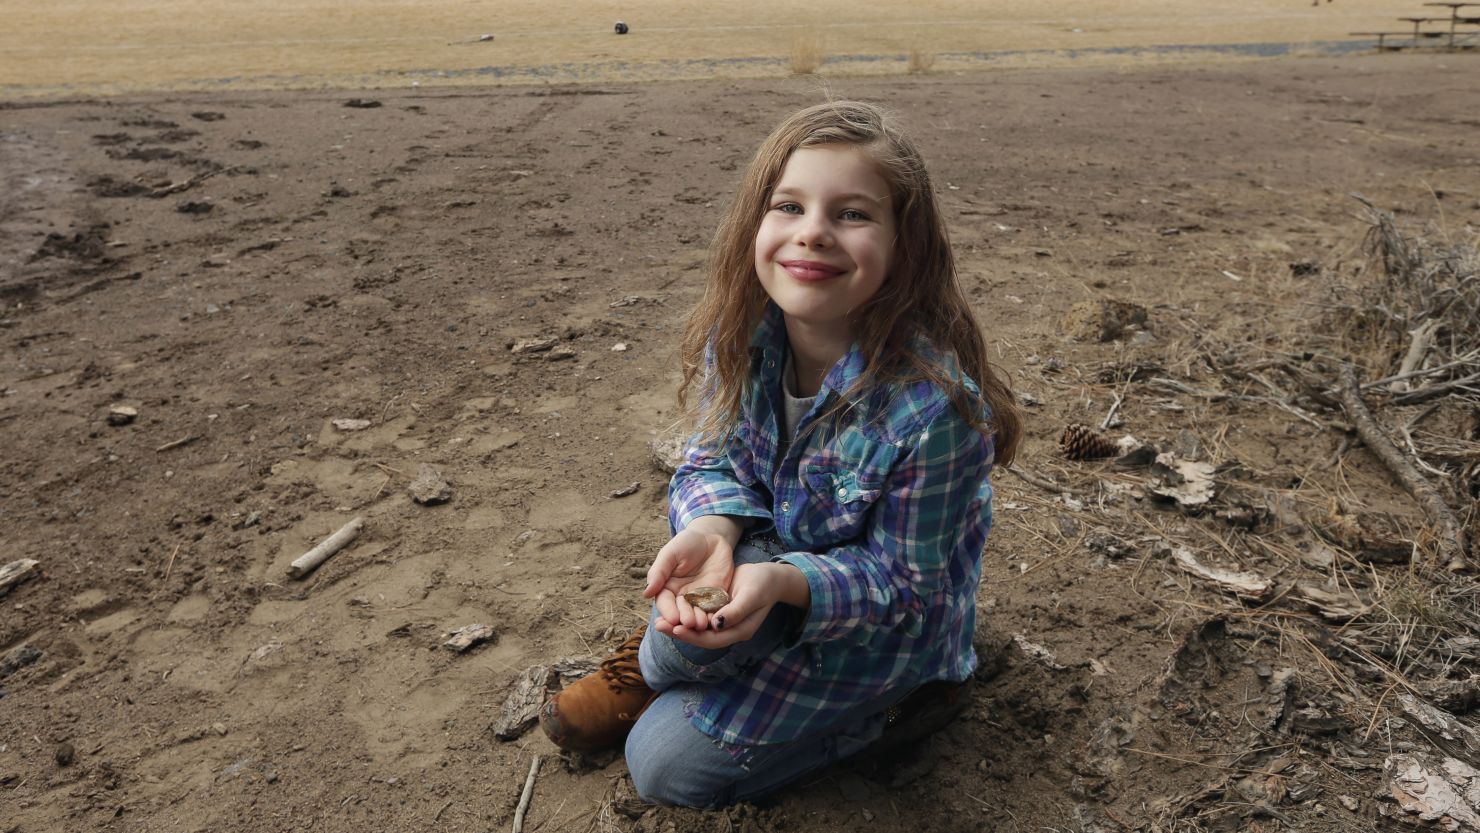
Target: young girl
x,y
837,487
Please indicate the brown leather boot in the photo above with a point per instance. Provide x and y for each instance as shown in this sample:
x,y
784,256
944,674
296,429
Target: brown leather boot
x,y
597,711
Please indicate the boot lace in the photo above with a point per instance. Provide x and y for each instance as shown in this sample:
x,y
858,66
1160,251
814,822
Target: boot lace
x,y
621,670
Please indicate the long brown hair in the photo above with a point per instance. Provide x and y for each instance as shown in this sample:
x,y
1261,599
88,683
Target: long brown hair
x,y
920,297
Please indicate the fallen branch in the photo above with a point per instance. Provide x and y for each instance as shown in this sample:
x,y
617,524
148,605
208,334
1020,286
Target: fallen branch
x,y
1422,339
309,561
1420,394
534,769
186,185
1450,543
1042,482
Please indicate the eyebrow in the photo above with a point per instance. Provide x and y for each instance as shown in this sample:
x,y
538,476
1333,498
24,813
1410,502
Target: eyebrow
x,y
852,195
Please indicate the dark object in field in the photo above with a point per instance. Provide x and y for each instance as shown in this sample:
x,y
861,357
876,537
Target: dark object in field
x,y
208,116
1080,442
621,28
65,754
17,659
196,207
362,103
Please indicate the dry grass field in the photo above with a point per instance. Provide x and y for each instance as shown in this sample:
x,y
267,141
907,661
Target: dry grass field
x,y
88,46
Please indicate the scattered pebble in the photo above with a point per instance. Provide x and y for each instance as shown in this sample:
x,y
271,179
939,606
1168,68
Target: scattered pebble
x,y
627,490
619,347
429,488
344,424
122,414
219,728
65,754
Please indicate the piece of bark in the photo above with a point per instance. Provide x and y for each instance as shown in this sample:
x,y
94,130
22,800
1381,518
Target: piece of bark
x,y
16,572
1038,653
1453,696
1446,792
1450,537
1250,586
1187,482
522,707
570,669
1444,729
533,345
467,636
310,561
1335,605
1369,538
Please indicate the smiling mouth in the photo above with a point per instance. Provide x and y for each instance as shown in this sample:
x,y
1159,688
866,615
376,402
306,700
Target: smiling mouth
x,y
810,270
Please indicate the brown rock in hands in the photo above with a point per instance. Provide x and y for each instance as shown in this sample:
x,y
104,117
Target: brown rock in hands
x,y
707,599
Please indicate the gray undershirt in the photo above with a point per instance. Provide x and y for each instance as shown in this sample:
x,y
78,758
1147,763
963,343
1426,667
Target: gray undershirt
x,y
793,407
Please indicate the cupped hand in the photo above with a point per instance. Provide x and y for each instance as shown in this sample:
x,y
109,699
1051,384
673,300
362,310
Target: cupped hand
x,y
695,557
754,590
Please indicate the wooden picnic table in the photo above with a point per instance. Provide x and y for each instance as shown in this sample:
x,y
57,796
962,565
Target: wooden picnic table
x,y
1381,38
1454,17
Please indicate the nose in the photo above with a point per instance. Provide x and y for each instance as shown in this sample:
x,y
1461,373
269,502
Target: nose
x,y
813,232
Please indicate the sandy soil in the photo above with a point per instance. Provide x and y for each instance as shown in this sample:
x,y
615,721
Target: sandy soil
x,y
88,46
377,263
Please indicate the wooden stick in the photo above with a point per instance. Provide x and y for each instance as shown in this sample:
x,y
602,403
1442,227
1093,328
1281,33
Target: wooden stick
x,y
177,443
189,183
1420,394
1422,338
1042,482
1451,543
534,769
309,561
171,566
1110,415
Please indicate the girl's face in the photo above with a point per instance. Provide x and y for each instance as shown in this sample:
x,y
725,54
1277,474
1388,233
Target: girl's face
x,y
827,237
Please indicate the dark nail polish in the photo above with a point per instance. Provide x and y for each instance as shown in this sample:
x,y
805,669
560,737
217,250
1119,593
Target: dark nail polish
x,y
719,622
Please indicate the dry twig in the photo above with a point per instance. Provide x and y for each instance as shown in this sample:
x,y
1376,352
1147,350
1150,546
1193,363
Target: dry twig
x,y
1450,544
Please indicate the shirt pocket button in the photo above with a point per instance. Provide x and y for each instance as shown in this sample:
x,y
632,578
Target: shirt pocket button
x,y
785,506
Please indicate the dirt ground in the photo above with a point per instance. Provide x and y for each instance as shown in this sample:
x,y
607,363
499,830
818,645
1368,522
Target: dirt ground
x,y
377,262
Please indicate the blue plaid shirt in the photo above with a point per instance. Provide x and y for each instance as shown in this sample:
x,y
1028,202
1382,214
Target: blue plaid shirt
x,y
885,515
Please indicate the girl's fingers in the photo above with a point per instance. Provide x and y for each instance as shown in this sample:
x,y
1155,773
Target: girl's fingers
x,y
712,638
667,605
659,573
685,611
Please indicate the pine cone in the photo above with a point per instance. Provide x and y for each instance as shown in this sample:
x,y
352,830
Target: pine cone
x,y
1080,442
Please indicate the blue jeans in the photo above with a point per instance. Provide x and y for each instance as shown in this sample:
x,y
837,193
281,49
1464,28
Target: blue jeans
x,y
672,762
